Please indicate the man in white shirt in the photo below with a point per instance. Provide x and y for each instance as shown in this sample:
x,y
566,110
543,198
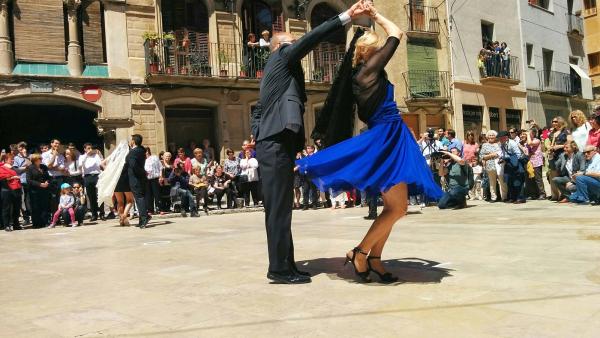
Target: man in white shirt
x,y
55,161
89,163
588,181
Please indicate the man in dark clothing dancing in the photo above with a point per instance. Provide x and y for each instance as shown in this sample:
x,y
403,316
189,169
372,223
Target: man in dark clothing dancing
x,y
278,126
136,158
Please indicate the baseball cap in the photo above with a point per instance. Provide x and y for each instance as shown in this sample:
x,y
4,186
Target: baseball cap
x,y
65,186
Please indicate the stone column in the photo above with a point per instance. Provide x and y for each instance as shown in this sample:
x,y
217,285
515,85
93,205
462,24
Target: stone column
x,y
74,58
6,47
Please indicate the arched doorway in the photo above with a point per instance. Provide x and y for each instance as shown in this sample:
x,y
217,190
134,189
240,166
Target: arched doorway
x,y
39,123
187,20
331,51
185,123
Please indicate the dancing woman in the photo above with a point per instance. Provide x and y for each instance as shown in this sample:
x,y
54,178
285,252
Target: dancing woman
x,y
386,158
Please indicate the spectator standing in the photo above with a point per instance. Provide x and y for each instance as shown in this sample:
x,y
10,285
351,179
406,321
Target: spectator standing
x,y
184,160
189,151
247,145
455,169
470,147
180,185
21,163
594,134
476,193
199,160
570,162
39,188
454,142
209,151
309,191
251,54
490,155
91,167
249,169
153,171
55,161
505,55
298,183
441,136
265,40
165,187
580,128
10,189
514,169
588,182
73,167
536,157
554,147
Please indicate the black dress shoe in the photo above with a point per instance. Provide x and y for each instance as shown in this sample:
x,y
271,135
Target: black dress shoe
x,y
94,219
370,217
295,270
288,277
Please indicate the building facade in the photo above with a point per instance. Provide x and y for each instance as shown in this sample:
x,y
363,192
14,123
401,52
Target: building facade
x,y
556,64
488,94
592,43
174,71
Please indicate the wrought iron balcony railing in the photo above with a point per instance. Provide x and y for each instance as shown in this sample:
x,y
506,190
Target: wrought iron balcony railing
x,y
559,83
231,61
426,84
422,19
495,66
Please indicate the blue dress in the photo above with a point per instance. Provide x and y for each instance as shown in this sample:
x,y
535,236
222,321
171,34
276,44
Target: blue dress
x,y
376,160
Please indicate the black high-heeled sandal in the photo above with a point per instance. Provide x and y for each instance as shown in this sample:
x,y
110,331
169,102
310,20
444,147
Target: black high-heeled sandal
x,y
386,278
363,276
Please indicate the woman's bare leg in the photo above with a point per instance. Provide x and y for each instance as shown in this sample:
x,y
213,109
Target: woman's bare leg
x,y
394,207
129,200
120,205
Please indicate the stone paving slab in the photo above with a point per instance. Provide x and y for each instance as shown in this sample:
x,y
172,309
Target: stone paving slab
x,y
491,270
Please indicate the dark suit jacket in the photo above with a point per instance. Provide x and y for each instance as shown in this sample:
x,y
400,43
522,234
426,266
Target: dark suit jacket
x,y
136,158
282,92
578,163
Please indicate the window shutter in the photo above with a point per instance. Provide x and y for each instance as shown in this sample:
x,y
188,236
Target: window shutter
x,y
39,29
93,45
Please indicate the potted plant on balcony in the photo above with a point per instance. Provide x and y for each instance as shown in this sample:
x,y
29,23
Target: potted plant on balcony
x,y
151,38
318,75
243,71
223,63
199,64
168,39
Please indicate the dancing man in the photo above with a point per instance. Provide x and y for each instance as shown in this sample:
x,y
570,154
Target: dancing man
x,y
383,159
278,126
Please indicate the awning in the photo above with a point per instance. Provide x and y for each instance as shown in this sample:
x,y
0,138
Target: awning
x,y
586,82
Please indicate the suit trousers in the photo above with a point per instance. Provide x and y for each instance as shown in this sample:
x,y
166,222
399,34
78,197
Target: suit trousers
x,y
90,181
276,156
138,188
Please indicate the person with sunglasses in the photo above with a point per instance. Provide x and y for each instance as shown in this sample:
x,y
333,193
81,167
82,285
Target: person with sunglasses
x,y
554,145
80,205
588,182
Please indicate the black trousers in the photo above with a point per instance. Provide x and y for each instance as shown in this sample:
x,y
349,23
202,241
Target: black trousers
x,y
54,187
219,193
40,207
201,193
153,195
79,214
250,188
11,206
276,156
26,206
309,193
91,192
138,188
372,199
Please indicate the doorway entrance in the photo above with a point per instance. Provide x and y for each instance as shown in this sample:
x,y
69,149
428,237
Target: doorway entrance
x,y
187,123
39,123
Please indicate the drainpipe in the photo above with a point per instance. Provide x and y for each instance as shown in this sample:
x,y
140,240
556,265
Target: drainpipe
x,y
450,60
6,47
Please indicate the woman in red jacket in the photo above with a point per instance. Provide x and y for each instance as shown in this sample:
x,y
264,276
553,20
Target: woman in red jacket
x,y
10,188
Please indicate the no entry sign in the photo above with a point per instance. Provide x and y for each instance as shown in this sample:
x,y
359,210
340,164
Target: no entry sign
x,y
91,93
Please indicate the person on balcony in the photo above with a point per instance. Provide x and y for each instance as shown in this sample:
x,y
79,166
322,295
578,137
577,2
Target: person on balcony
x,y
278,126
265,41
251,54
505,55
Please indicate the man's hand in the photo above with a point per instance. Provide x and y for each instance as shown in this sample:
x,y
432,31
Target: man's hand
x,y
357,9
577,174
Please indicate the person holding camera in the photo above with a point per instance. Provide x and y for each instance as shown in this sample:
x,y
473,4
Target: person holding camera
x,y
429,145
458,176
515,161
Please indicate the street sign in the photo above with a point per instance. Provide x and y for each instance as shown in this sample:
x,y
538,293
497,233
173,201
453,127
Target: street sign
x,y
41,87
91,93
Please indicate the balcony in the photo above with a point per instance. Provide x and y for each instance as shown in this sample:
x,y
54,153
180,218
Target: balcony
x,y
423,21
558,83
589,11
575,29
203,63
496,71
427,87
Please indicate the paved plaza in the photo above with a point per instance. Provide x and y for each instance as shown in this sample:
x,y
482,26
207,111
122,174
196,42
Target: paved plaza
x,y
492,270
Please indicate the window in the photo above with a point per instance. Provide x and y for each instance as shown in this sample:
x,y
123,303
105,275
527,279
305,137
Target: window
x,y
473,118
513,118
589,4
547,59
494,118
487,33
530,58
545,4
594,60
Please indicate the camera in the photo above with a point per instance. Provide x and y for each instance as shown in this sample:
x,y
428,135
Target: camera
x,y
430,133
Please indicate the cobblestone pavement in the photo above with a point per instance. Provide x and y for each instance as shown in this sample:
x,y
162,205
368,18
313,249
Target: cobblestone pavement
x,y
491,270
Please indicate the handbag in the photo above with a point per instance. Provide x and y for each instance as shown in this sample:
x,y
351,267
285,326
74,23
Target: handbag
x,y
530,170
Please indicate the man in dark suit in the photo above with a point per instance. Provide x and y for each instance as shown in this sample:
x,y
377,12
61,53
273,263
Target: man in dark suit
x,y
136,158
277,124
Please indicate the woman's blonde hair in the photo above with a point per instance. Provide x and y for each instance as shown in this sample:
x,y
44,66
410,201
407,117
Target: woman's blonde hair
x,y
370,40
579,118
562,124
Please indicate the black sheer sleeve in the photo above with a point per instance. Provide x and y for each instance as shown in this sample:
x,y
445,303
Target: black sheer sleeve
x,y
370,71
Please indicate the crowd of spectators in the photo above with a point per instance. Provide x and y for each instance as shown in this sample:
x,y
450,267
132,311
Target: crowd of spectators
x,y
494,60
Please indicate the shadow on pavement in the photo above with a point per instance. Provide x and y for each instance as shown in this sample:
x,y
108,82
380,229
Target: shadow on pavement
x,y
409,270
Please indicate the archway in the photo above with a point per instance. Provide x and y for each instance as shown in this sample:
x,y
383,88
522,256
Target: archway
x,y
39,123
328,54
185,123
